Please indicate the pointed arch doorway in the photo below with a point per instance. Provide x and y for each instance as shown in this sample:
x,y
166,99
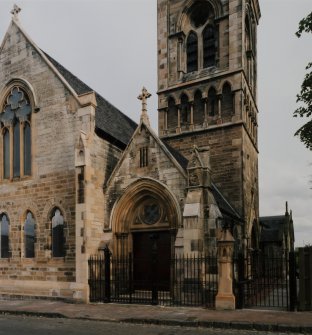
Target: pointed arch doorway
x,y
144,223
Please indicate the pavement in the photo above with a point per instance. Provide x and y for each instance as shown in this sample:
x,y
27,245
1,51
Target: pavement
x,y
247,319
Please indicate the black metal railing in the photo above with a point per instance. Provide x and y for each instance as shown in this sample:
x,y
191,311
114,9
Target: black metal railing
x,y
266,280
190,281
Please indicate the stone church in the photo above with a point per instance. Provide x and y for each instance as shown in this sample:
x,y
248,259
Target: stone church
x,y
112,182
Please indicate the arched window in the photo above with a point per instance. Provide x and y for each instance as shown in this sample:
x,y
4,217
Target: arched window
x,y
16,151
27,149
227,100
209,45
58,249
199,108
248,49
247,35
172,116
192,52
15,119
6,153
185,110
29,230
4,232
212,102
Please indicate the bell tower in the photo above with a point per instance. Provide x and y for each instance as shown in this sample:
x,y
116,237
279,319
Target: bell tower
x,y
207,88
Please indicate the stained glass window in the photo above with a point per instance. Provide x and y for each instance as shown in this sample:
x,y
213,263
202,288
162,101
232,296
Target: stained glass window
x,y
16,112
16,151
6,153
27,149
29,229
57,234
151,213
4,227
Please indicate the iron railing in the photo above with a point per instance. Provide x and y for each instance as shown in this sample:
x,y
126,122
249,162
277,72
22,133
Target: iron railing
x,y
191,281
266,281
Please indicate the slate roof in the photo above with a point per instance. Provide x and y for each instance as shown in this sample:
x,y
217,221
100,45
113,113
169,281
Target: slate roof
x,y
223,204
177,156
110,122
272,228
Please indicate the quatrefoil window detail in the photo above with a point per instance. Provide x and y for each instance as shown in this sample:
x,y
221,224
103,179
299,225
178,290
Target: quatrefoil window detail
x,y
17,107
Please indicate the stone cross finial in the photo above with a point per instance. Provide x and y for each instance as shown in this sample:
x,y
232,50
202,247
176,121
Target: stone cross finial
x,y
143,97
15,11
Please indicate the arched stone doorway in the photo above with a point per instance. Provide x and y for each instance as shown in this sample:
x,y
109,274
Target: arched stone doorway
x,y
144,222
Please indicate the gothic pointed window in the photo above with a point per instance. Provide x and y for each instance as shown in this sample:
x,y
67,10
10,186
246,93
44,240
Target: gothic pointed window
x,y
29,230
27,149
192,52
247,35
227,100
16,131
209,46
16,150
4,232
199,108
6,153
58,240
172,116
212,102
185,112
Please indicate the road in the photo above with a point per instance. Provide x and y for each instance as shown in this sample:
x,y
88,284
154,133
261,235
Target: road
x,y
17,325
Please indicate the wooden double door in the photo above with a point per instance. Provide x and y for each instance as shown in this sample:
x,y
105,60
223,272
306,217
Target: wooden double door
x,y
151,260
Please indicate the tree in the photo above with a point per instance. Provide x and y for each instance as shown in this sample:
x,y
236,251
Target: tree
x,y
305,95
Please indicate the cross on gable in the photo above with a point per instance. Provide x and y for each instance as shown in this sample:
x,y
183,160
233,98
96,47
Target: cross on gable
x,y
143,97
15,11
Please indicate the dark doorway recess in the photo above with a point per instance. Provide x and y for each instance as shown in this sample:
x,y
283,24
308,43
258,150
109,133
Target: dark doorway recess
x,y
151,260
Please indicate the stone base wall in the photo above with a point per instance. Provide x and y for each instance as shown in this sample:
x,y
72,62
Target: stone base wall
x,y
40,196
17,289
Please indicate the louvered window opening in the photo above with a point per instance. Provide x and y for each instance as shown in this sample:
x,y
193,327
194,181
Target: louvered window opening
x,y
172,116
199,109
143,157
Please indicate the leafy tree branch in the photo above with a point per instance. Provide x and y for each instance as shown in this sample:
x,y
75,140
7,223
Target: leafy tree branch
x,y
305,95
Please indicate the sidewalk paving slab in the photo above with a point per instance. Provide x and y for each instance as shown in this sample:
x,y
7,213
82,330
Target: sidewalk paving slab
x,y
247,319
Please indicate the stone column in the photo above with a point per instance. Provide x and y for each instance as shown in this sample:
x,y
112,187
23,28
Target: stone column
x,y
225,299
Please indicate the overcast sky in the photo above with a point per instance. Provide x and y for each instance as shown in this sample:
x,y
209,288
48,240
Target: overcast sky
x,y
112,46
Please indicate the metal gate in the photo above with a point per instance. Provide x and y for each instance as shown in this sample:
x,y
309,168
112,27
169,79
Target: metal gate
x,y
193,281
266,280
